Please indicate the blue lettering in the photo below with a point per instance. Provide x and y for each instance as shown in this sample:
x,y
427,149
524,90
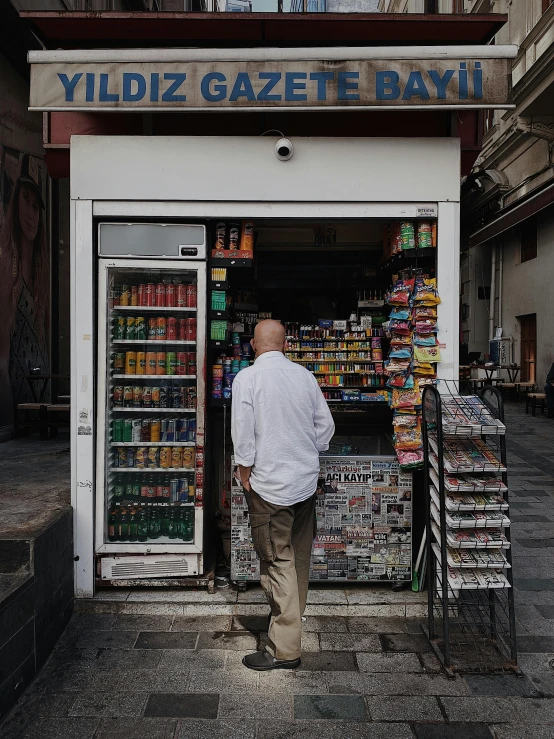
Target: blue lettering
x,y
463,81
220,91
345,85
291,85
274,78
69,85
386,86
169,95
103,95
322,78
154,87
441,83
478,81
242,88
89,95
415,87
140,92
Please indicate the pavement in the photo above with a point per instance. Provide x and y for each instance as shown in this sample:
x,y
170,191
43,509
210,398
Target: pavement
x,y
167,665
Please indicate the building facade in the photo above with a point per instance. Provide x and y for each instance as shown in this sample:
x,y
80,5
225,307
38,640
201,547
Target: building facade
x,y
507,214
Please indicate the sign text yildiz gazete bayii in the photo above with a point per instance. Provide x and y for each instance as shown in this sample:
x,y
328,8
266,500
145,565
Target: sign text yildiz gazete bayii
x,y
254,85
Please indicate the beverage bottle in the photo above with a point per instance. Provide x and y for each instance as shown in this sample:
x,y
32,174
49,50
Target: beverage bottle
x,y
173,524
181,528
143,524
164,520
123,525
133,525
152,523
112,524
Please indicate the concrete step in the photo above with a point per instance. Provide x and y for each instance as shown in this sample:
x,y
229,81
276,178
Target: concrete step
x,y
332,601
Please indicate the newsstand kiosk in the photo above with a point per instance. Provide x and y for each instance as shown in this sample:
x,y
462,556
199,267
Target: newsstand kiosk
x,y
144,216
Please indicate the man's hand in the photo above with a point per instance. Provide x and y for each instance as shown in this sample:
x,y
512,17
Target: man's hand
x,y
245,476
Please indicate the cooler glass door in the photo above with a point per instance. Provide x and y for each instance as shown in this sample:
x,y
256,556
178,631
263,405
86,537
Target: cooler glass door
x,y
150,401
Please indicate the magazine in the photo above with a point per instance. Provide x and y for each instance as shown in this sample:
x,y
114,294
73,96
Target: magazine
x,y
473,538
489,558
470,519
475,579
466,455
466,483
468,416
470,502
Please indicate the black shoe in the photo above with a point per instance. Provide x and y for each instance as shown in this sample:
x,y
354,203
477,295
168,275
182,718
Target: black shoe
x,y
262,661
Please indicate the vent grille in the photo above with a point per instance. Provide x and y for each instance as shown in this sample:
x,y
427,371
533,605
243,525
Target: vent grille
x,y
124,568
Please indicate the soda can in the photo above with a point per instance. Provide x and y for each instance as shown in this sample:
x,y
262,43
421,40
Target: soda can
x,y
119,362
124,295
119,491
141,460
128,396
150,363
227,392
137,396
145,433
119,329
155,429
159,492
191,490
192,363
147,397
191,397
176,457
170,295
121,457
137,429
165,457
191,329
130,363
182,490
191,429
170,435
182,363
143,491
131,329
188,457
160,295
171,329
175,398
130,457
155,397
152,329
117,430
151,490
182,429
141,296
161,329
163,429
163,397
115,295
166,490
127,430
136,491
150,293
160,363
140,325
171,363
182,329
134,295
191,296
174,491
181,296
117,400
141,363
153,457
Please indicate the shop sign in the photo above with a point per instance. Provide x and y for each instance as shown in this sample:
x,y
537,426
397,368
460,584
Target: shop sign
x,y
232,85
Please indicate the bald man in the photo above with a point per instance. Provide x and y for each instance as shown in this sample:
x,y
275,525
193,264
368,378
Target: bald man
x,y
280,423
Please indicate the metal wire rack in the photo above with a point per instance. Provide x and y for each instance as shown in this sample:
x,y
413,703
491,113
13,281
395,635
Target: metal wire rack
x,y
471,621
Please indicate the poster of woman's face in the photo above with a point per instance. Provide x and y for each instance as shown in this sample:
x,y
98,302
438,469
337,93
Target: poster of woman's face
x,y
24,278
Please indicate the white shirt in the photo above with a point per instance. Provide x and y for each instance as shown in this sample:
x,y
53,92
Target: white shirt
x,y
280,421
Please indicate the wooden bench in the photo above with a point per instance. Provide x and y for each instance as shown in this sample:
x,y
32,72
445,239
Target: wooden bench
x,y
44,421
532,400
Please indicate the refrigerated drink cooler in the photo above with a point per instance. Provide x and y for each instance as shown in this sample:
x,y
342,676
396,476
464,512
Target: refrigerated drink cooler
x,y
150,400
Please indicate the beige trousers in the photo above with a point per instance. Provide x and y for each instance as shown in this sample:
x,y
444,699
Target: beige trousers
x,y
283,537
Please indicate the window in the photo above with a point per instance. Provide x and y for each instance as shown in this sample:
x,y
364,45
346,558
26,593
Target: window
x,y
529,239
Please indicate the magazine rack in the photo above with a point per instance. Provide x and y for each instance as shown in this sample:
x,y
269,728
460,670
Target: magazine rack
x,y
471,621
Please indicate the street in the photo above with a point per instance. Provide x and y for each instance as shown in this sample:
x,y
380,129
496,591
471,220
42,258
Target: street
x,y
149,667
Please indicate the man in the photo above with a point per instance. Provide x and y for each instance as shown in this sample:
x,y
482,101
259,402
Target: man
x,y
549,392
280,423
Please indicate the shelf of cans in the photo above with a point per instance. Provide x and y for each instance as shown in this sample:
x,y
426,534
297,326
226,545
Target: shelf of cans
x,y
157,328
149,430
154,458
175,397
150,522
400,236
155,295
225,369
411,361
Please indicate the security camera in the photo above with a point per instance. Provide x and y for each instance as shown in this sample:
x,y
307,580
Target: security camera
x,y
284,149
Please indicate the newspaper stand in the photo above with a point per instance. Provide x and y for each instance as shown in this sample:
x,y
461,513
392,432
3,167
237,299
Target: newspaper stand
x,y
471,617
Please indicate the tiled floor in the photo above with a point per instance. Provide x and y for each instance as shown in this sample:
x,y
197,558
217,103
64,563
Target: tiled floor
x,y
168,666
